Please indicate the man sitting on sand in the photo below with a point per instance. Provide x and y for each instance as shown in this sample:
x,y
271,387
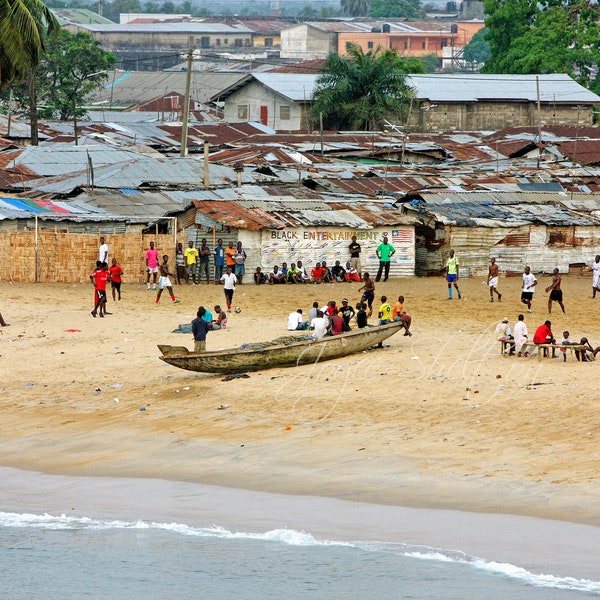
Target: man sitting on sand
x,y
295,321
293,274
317,273
221,321
276,275
319,326
351,273
259,276
588,352
338,272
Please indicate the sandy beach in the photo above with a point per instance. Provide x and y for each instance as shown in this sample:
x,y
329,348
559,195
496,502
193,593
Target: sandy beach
x,y
438,420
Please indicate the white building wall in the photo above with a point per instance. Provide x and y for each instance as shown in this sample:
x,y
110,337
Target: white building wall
x,y
254,96
306,43
311,245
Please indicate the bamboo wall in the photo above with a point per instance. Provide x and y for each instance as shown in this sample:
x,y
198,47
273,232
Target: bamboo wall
x,y
70,257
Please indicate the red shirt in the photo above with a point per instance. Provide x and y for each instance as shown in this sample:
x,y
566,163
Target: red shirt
x,y
542,333
337,325
115,273
100,279
318,273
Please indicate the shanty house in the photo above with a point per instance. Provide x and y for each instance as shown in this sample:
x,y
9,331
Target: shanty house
x,y
542,230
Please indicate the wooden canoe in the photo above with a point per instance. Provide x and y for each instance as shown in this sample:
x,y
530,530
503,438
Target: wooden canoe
x,y
288,354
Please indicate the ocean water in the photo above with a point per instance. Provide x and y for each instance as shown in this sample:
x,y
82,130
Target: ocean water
x,y
59,557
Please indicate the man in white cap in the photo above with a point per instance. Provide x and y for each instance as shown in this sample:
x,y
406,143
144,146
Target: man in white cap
x,y
504,334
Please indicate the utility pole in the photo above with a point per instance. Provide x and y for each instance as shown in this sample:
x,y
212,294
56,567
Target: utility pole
x,y
539,120
186,105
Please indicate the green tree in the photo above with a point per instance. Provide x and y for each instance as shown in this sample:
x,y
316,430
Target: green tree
x,y
354,8
478,49
395,9
72,67
559,36
360,91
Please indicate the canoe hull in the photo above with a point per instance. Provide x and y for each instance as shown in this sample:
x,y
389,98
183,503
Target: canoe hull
x,y
303,352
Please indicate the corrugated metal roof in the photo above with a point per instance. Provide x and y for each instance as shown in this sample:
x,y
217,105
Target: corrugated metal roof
x,y
556,88
192,27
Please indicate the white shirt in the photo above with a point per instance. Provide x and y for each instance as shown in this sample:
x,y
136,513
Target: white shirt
x,y
528,281
103,253
520,333
230,281
294,319
319,327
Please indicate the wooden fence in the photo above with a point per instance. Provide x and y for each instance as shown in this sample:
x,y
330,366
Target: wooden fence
x,y
63,257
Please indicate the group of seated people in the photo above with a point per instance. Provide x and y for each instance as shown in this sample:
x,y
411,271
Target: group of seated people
x,y
218,322
545,339
297,273
332,319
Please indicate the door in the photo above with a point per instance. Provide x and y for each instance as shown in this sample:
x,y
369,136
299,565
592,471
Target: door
x,y
264,115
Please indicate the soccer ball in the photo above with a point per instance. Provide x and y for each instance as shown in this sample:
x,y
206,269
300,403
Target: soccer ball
x,y
237,309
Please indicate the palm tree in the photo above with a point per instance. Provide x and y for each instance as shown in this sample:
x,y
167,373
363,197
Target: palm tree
x,y
24,26
360,91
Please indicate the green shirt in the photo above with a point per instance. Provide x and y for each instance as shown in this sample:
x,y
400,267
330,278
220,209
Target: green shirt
x,y
385,251
452,265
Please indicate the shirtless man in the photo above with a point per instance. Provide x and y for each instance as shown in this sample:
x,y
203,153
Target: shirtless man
x,y
492,280
369,292
555,292
164,281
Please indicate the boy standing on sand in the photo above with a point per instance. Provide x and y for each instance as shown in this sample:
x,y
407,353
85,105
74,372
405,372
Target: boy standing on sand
x,y
151,265
200,328
369,291
164,281
452,265
115,278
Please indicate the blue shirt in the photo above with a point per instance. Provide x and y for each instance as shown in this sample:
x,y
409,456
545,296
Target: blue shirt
x,y
207,316
200,328
219,256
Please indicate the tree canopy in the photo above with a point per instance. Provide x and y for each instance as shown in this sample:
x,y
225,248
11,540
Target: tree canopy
x,y
558,36
361,90
478,49
73,66
24,27
395,9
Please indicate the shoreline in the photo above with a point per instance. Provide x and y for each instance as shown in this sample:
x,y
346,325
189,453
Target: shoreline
x,y
538,545
438,420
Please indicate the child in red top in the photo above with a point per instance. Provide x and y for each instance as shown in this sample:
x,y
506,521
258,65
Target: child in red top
x,y
100,279
115,278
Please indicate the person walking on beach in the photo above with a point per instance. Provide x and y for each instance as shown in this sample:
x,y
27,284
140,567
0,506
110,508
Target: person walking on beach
x,y
369,291
151,266
384,252
492,280
115,279
529,283
355,249
452,265
555,292
229,280
200,327
100,278
595,275
164,281
103,251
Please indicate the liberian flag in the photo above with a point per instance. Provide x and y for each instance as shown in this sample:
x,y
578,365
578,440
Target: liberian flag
x,y
402,236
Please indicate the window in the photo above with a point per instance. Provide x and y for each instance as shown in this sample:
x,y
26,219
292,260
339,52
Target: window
x,y
284,113
218,41
239,43
205,41
243,112
226,42
370,45
423,45
444,43
269,42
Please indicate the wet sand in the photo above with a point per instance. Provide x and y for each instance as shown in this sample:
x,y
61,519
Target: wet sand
x,y
439,420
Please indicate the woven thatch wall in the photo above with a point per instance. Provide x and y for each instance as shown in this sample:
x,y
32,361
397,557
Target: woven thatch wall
x,y
70,257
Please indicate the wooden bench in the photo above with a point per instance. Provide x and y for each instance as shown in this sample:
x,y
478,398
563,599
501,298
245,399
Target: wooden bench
x,y
505,346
